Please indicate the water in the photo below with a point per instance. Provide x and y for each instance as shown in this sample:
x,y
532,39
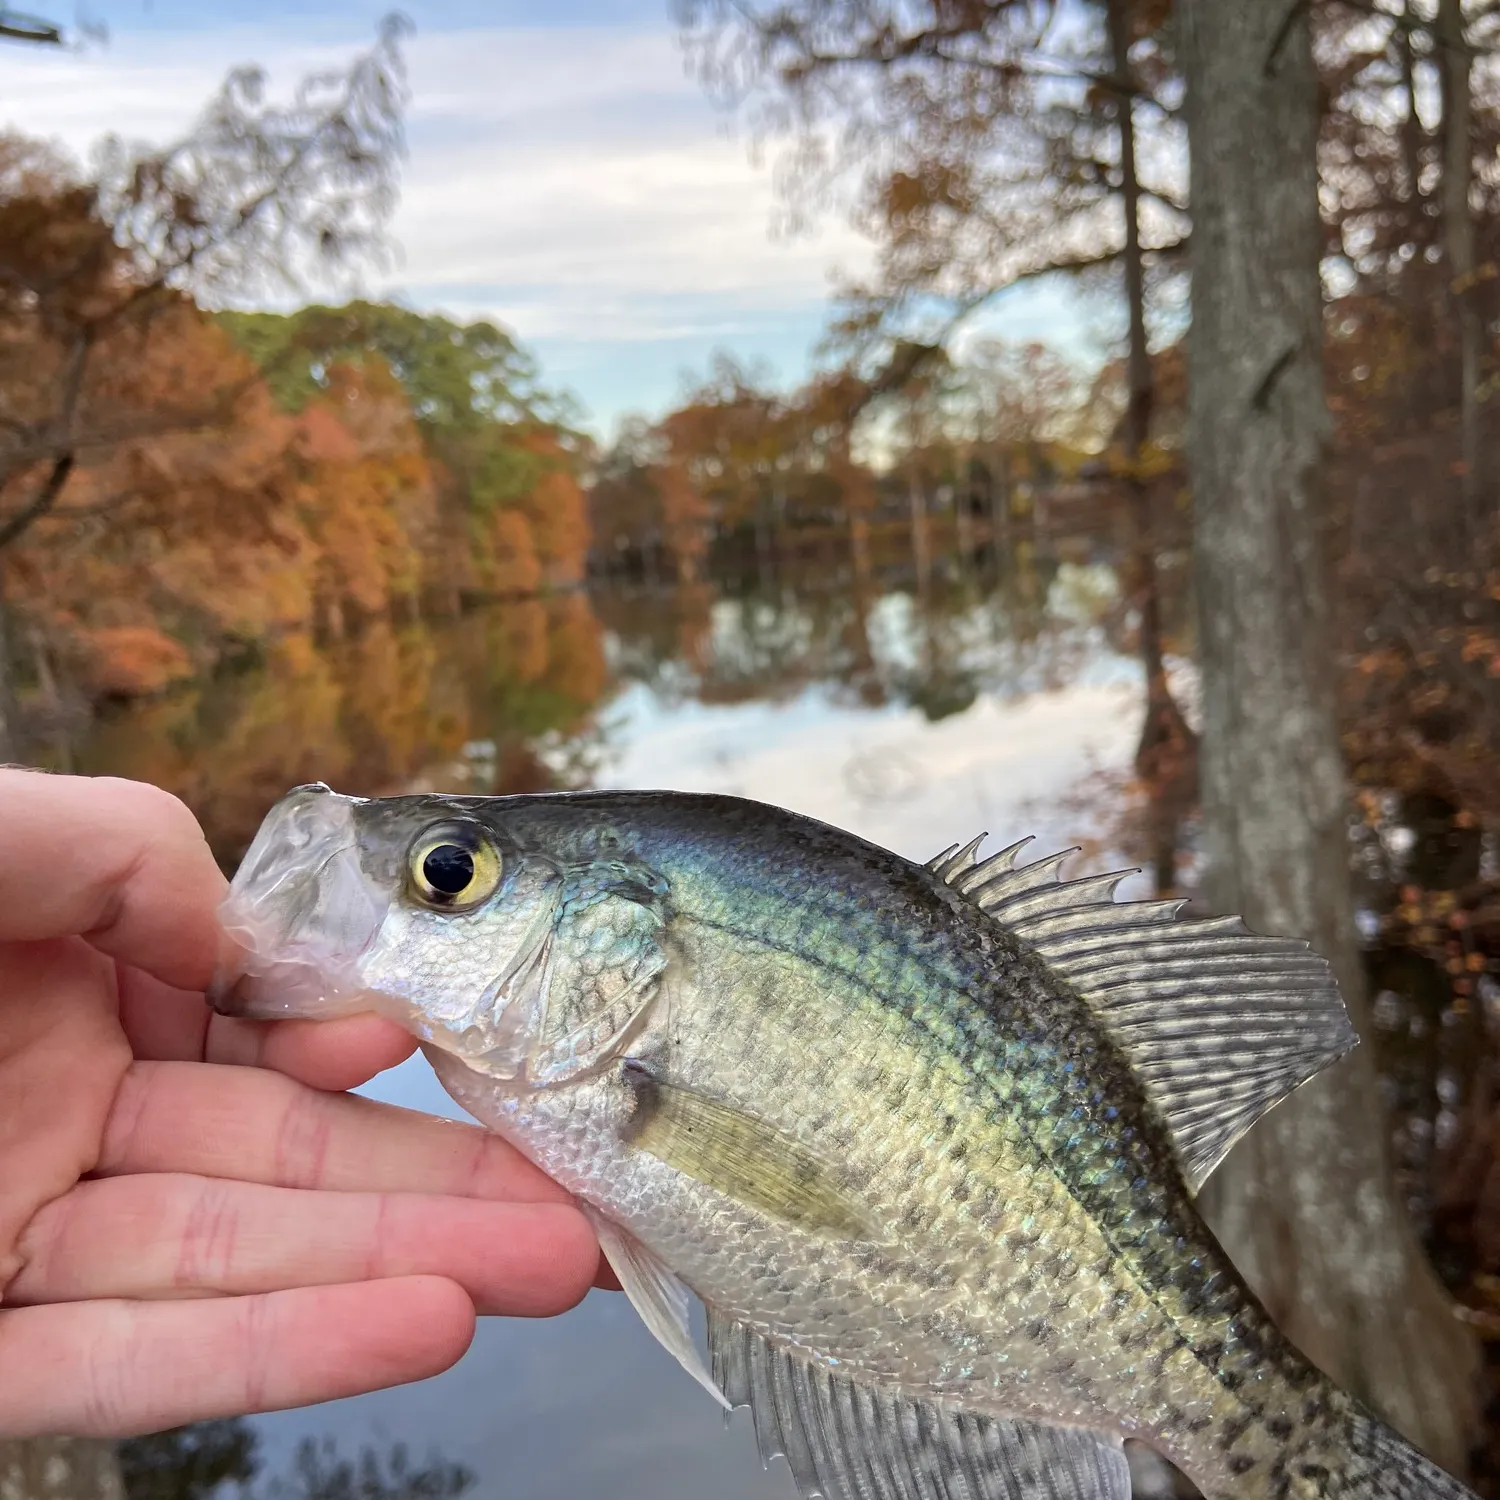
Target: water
x,y
914,712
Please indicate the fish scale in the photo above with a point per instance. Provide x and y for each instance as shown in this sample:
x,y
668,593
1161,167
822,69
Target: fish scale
x,y
924,1140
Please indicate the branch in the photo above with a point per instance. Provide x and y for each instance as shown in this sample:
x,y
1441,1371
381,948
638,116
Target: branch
x,y
40,503
912,356
1070,267
19,27
928,45
890,48
57,441
95,507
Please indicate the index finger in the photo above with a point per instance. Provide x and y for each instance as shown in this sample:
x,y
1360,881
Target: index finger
x,y
120,863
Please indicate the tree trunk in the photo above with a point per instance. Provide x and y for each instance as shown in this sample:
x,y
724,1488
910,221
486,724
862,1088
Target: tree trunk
x,y
59,1468
963,517
1411,121
1000,512
1458,234
921,550
1166,745
1304,1205
859,544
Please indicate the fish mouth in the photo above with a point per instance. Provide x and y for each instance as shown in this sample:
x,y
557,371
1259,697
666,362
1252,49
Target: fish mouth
x,y
299,916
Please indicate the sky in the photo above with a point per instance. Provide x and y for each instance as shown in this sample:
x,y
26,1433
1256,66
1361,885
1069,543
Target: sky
x,y
566,177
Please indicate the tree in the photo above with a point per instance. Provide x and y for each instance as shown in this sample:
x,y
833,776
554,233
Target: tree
x,y
993,144
1355,1292
983,141
256,195
505,453
19,26
1458,226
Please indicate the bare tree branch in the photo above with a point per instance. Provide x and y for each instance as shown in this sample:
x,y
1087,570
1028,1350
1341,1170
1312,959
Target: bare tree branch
x,y
40,503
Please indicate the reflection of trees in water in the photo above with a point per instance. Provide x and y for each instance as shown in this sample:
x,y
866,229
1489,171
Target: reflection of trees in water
x,y
200,1461
377,712
867,636
503,699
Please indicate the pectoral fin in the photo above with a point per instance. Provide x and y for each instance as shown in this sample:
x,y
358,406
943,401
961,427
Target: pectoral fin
x,y
742,1157
657,1295
846,1440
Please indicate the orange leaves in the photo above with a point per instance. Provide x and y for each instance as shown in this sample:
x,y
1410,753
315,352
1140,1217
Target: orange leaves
x,y
555,511
197,540
322,438
365,496
684,514
196,515
133,660
505,560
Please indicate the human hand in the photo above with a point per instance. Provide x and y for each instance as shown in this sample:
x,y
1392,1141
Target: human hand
x,y
191,1223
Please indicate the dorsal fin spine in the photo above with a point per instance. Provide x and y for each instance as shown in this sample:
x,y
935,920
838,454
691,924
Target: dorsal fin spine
x,y
1011,883
993,865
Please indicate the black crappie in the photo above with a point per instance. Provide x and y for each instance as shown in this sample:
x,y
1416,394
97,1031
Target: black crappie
x,y
924,1140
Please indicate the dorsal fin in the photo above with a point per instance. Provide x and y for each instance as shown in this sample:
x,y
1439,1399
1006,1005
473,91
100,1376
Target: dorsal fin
x,y
1218,1022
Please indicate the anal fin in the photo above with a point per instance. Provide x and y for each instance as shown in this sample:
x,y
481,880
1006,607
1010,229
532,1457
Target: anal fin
x,y
849,1440
658,1296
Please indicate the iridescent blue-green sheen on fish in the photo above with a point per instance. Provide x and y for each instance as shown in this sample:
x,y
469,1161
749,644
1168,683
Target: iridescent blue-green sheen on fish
x,y
923,1139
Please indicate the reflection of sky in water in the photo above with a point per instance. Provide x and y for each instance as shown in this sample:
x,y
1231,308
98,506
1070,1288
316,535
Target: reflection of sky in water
x,y
587,1405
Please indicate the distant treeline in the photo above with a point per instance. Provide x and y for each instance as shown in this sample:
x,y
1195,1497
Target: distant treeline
x,y
369,461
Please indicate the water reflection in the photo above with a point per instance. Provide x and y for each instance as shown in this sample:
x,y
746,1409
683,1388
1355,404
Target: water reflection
x,y
550,693
203,1460
374,713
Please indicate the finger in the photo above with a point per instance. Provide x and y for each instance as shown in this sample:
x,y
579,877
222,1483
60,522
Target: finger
x,y
118,862
333,1055
258,1126
169,1024
110,1369
170,1235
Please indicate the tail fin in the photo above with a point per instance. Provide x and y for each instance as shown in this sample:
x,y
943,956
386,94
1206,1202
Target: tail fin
x,y
1382,1465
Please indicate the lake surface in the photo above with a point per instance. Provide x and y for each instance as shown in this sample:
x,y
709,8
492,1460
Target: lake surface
x,y
915,712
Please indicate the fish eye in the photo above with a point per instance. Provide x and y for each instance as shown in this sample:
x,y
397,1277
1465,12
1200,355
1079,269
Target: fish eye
x,y
453,867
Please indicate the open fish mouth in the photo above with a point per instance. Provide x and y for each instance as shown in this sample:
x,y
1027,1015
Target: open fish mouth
x,y
299,916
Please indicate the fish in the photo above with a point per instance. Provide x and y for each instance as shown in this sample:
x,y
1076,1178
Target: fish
x,y
923,1140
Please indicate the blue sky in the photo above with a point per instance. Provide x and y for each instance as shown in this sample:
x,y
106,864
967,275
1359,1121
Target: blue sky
x,y
566,176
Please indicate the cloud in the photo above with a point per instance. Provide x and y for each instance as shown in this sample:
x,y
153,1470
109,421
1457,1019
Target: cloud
x,y
687,218
568,179
572,180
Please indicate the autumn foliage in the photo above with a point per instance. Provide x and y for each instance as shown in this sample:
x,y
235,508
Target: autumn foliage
x,y
211,514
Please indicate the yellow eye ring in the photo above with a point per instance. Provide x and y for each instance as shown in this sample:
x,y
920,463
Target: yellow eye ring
x,y
453,867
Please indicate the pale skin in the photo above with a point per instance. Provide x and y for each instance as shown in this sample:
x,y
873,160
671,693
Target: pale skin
x,y
195,1220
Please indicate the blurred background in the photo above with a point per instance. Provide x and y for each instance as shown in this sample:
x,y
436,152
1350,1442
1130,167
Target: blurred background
x,y
1059,417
